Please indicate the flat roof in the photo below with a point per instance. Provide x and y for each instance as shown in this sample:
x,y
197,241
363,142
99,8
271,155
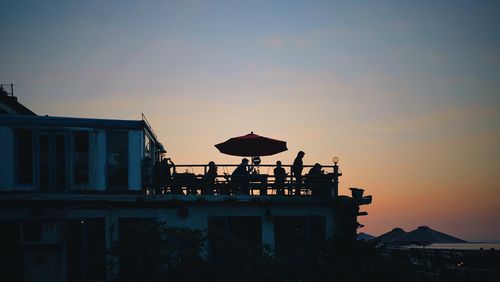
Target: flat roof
x,y
26,120
53,121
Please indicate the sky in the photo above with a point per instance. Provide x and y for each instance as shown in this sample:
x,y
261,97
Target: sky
x,y
406,93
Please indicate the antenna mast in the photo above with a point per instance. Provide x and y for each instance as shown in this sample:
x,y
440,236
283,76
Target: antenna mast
x,y
11,88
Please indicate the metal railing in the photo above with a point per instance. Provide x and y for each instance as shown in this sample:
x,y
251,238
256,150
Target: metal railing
x,y
153,133
189,179
4,91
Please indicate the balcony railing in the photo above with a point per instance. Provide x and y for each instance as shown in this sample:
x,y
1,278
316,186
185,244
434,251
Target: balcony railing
x,y
189,179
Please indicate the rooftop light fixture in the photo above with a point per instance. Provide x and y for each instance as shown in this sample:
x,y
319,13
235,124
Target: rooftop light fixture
x,y
335,160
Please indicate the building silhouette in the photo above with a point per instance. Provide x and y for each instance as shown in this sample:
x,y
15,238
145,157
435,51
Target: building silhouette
x,y
70,186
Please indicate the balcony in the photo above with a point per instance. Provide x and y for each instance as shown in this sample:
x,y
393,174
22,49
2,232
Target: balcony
x,y
189,179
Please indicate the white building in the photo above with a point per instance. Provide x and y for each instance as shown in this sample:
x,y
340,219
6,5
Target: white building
x,y
60,154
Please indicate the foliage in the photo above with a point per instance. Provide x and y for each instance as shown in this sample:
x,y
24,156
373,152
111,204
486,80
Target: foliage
x,y
236,259
151,251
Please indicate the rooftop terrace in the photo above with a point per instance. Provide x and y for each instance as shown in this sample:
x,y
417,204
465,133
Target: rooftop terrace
x,y
190,179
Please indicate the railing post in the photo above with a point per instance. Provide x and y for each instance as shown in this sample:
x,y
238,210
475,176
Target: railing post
x,y
335,180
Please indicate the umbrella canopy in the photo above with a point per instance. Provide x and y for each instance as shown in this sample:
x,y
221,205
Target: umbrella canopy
x,y
251,145
423,235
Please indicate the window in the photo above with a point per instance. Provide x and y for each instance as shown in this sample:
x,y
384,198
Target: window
x,y
44,164
86,249
11,256
147,146
138,239
52,161
81,157
235,231
24,156
299,235
59,160
117,148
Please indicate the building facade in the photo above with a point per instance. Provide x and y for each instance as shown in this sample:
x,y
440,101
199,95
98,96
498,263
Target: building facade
x,y
69,186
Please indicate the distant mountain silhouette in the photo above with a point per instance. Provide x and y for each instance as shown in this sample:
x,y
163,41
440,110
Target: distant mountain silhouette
x,y
364,237
390,236
424,235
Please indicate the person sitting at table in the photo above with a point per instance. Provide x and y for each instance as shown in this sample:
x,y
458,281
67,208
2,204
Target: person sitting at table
x,y
315,179
316,170
240,178
166,165
210,178
279,179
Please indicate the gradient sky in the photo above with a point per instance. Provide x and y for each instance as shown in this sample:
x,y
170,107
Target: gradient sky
x,y
406,93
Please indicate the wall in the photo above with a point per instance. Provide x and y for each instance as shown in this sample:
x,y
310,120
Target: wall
x,y
198,216
97,161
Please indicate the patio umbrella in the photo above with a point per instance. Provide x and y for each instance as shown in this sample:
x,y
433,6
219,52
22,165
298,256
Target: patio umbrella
x,y
251,145
423,235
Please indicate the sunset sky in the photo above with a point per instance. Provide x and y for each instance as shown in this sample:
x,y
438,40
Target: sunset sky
x,y
406,93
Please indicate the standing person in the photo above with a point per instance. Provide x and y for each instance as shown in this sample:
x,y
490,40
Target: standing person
x,y
210,178
240,177
166,174
297,167
279,178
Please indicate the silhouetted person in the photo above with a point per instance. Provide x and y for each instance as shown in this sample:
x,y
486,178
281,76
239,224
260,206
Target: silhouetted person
x,y
297,167
149,172
210,178
279,179
167,168
240,177
316,180
316,170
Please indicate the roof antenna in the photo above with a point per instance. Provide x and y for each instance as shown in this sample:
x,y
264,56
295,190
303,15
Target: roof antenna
x,y
11,88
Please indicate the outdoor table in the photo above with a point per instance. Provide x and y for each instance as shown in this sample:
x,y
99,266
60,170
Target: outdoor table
x,y
187,180
319,185
259,181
